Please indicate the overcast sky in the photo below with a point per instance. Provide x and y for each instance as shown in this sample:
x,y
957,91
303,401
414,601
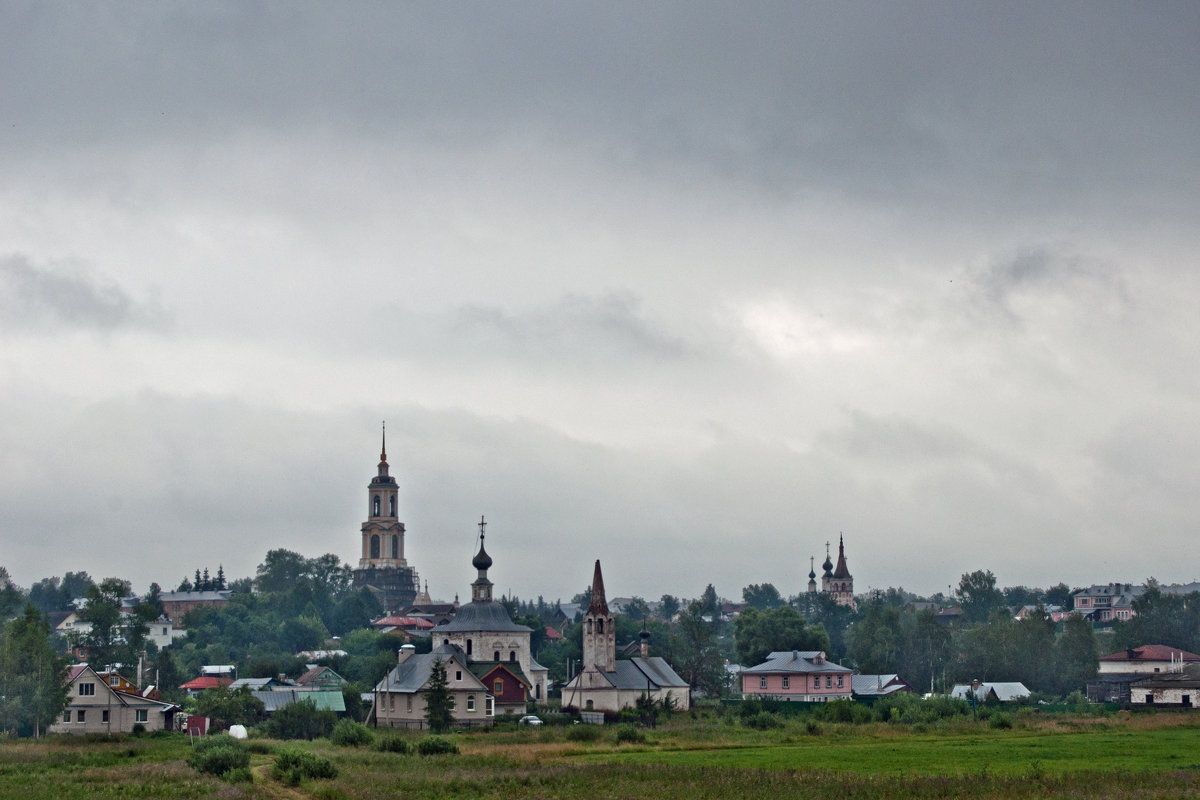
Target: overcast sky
x,y
690,288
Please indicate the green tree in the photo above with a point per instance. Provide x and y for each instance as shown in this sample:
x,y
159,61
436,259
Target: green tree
x,y
696,652
1076,655
762,596
439,703
32,690
1058,595
280,571
668,607
11,598
1170,619
978,595
230,707
876,642
710,604
759,633
300,720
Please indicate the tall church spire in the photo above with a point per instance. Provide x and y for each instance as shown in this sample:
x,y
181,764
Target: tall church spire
x,y
599,629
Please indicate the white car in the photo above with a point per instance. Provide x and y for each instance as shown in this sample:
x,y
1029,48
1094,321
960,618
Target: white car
x,y
529,719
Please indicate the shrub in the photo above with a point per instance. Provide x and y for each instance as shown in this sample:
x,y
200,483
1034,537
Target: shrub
x,y
392,744
292,766
583,733
300,720
763,720
348,733
1000,721
812,727
138,729
218,755
435,746
629,734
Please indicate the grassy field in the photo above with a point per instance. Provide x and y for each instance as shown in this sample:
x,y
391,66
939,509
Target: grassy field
x,y
1119,756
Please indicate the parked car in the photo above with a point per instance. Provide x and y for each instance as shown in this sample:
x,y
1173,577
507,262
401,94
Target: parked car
x,y
529,719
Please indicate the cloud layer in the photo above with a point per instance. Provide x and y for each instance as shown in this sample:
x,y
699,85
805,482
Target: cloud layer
x,y
684,288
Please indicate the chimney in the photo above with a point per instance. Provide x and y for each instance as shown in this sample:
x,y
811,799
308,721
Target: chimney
x,y
975,685
405,653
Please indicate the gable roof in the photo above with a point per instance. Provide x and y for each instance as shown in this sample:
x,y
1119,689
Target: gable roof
x,y
1151,652
206,682
482,669
877,685
412,675
1003,691
797,661
315,672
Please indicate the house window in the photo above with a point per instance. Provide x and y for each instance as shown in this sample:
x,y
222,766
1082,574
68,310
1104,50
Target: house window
x,y
139,715
79,716
104,716
498,687
408,705
840,681
458,674
87,689
828,681
787,682
470,702
762,682
391,702
114,680
67,715
491,706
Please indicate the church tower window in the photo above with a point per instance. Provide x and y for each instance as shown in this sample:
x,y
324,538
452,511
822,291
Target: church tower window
x,y
395,547
375,513
468,647
392,506
374,546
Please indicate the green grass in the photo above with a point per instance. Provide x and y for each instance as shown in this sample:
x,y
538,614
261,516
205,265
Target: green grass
x,y
687,759
998,752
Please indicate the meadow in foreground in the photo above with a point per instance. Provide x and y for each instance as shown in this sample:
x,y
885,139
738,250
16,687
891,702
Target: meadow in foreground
x,y
1118,756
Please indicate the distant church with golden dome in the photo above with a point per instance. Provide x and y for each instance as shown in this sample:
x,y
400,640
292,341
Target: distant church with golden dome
x,y
382,568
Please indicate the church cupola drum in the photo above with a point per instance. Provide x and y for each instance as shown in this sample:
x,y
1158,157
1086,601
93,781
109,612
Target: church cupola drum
x,y
381,567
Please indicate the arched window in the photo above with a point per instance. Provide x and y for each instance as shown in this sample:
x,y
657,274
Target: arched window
x,y
395,547
374,546
512,655
495,655
589,705
392,505
468,647
376,506
589,626
599,626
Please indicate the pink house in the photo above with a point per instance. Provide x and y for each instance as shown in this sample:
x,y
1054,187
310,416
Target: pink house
x,y
802,676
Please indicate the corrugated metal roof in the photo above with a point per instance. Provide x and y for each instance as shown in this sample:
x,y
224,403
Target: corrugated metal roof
x,y
276,699
490,617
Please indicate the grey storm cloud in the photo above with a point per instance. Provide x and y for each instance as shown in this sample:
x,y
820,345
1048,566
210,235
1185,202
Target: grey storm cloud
x,y
35,297
577,328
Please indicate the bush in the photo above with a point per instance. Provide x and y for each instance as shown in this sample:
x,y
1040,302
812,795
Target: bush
x,y
392,744
763,720
629,734
436,746
1000,721
218,755
138,729
292,766
812,727
583,733
348,733
300,720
